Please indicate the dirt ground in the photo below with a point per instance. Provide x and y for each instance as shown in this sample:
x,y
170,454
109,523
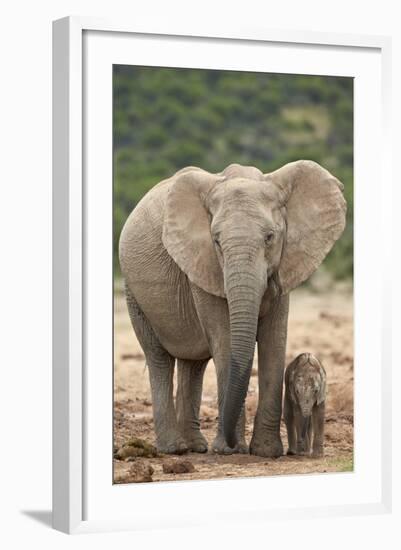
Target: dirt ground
x,y
319,322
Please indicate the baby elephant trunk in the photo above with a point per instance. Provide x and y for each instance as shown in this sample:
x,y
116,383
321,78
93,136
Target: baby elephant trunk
x,y
305,426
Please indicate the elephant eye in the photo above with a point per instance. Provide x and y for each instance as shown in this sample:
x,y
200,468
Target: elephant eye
x,y
269,237
217,242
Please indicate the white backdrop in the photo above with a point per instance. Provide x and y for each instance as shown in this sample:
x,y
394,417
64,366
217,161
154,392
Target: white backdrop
x,y
25,398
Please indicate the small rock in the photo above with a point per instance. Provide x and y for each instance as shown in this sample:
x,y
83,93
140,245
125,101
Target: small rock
x,y
135,447
139,472
178,467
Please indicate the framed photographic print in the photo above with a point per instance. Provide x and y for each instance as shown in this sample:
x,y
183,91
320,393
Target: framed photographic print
x,y
218,321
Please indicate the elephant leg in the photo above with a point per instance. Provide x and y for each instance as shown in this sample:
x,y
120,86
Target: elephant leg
x,y
272,340
161,372
188,401
302,439
318,413
309,436
219,444
214,317
290,425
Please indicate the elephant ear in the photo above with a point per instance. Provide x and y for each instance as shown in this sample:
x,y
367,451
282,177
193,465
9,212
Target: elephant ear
x,y
186,230
321,397
290,379
316,211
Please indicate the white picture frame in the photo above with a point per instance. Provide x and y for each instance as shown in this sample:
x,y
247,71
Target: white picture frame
x,y
73,475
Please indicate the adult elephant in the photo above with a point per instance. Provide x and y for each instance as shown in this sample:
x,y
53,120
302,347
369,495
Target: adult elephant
x,y
209,261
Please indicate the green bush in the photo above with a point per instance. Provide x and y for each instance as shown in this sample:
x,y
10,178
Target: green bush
x,y
165,119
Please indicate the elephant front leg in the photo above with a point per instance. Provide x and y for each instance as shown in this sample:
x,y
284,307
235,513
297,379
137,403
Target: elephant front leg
x,y
303,430
272,339
318,413
290,425
188,401
215,321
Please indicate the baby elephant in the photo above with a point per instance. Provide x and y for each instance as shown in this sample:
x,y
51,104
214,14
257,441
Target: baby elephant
x,y
304,405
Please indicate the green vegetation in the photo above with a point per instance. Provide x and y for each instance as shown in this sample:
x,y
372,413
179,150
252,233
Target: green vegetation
x,y
165,119
342,464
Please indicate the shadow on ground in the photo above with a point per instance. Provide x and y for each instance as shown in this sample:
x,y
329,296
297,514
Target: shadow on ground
x,y
41,516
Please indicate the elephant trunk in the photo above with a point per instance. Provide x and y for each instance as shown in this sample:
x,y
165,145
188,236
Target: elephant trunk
x,y
244,294
305,426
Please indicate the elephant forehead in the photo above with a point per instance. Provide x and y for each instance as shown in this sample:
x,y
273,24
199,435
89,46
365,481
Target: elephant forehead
x,y
236,186
307,360
251,218
240,190
307,375
242,202
237,170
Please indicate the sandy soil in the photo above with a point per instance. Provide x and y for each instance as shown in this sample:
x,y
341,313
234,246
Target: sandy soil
x,y
321,323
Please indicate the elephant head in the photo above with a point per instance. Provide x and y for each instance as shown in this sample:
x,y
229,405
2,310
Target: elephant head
x,y
240,231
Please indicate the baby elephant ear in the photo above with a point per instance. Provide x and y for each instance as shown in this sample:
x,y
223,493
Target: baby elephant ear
x,y
290,379
322,391
316,211
186,230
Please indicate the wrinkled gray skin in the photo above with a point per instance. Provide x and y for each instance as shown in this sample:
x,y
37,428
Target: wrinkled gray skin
x,y
208,262
304,405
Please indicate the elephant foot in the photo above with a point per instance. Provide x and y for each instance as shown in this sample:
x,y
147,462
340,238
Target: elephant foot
x,y
272,448
303,450
303,453
220,447
291,452
196,443
175,447
317,453
243,448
